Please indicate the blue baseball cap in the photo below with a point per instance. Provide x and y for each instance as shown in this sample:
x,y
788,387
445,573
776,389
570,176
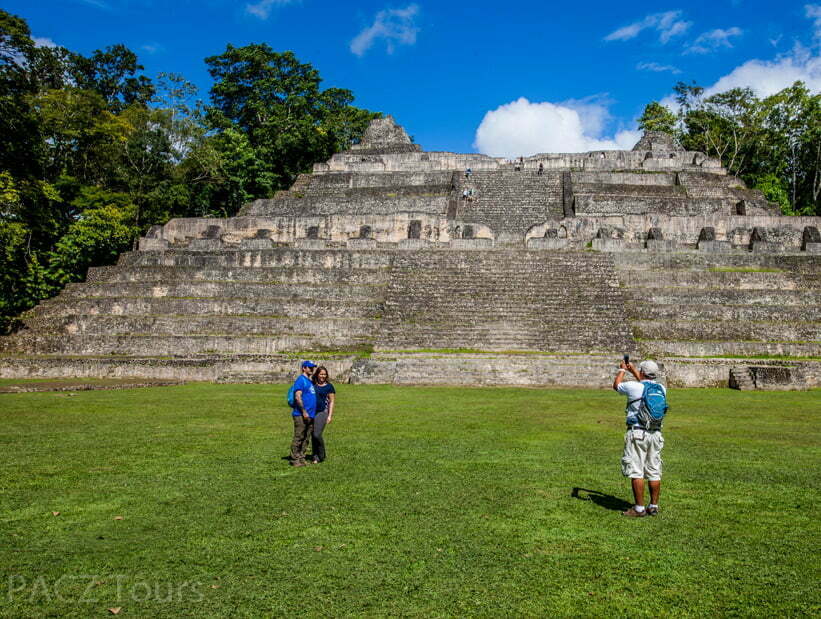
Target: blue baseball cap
x,y
308,364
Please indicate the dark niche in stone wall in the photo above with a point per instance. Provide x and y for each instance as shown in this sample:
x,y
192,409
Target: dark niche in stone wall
x,y
707,234
810,235
415,229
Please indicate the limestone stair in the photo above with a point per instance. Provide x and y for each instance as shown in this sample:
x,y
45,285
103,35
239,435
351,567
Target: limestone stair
x,y
181,304
741,378
690,305
505,300
363,194
510,201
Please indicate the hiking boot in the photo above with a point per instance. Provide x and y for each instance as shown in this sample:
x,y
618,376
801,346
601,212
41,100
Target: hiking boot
x,y
632,513
652,511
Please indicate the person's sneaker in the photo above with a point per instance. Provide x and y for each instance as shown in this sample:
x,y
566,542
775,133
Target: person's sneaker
x,y
652,511
632,513
298,463
315,460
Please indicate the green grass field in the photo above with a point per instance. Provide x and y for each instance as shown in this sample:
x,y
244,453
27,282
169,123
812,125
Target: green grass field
x,y
433,502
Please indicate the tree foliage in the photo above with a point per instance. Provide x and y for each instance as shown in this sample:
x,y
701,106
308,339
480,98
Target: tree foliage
x,y
92,151
773,144
658,117
286,121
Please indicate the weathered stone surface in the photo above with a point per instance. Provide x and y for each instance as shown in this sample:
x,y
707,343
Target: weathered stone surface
x,y
314,243
659,245
715,246
256,243
547,243
376,249
151,243
412,244
205,244
608,244
471,243
658,141
360,243
385,136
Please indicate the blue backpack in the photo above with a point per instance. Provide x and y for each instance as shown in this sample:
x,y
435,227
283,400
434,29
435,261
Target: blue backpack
x,y
653,407
291,398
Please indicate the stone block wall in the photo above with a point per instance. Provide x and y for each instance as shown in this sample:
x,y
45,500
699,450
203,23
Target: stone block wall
x,y
504,300
509,200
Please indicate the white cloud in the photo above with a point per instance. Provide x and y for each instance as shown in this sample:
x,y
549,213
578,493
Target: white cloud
x,y
97,3
655,67
523,128
43,42
263,8
767,77
713,40
394,26
152,48
668,25
813,11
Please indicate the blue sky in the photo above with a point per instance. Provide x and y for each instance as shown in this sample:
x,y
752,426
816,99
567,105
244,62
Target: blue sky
x,y
498,77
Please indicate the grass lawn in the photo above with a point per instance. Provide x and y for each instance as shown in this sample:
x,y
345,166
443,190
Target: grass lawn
x,y
434,501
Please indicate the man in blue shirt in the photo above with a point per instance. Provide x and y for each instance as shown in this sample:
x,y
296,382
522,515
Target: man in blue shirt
x,y
303,413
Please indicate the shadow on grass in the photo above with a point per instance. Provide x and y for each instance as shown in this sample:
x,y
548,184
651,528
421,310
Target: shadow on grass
x,y
606,501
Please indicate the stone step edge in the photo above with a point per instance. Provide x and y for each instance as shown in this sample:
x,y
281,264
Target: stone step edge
x,y
191,358
84,316
689,321
614,358
651,341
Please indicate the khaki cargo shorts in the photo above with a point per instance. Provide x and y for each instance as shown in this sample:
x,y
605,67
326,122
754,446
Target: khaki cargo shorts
x,y
642,455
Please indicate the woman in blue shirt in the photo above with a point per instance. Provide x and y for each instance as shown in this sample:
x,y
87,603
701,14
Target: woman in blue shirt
x,y
325,395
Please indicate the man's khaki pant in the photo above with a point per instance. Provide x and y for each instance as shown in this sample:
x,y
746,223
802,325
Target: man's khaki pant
x,y
641,458
302,432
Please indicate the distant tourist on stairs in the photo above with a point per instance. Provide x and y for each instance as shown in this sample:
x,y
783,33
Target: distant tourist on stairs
x,y
325,399
643,441
468,173
303,412
541,169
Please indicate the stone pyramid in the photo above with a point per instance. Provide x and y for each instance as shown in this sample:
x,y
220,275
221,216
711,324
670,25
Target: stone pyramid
x,y
393,264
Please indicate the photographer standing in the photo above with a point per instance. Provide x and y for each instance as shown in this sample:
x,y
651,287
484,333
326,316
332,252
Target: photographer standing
x,y
642,444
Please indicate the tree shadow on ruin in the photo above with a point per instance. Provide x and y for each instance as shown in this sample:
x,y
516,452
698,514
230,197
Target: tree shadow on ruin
x,y
607,501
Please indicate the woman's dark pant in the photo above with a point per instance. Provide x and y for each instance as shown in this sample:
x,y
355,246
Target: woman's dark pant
x,y
317,442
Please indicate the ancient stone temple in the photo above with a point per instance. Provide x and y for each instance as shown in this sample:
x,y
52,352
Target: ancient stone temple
x,y
395,265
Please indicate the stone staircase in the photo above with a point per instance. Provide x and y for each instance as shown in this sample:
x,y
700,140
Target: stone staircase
x,y
507,200
740,305
359,194
247,316
192,304
505,300
741,378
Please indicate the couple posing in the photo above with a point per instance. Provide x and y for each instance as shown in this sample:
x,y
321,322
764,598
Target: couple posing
x,y
313,409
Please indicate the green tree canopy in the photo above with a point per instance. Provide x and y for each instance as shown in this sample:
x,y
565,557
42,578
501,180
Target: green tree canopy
x,y
658,117
773,144
278,104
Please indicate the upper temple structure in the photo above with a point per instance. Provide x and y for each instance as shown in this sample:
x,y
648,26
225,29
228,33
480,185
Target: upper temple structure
x,y
396,265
